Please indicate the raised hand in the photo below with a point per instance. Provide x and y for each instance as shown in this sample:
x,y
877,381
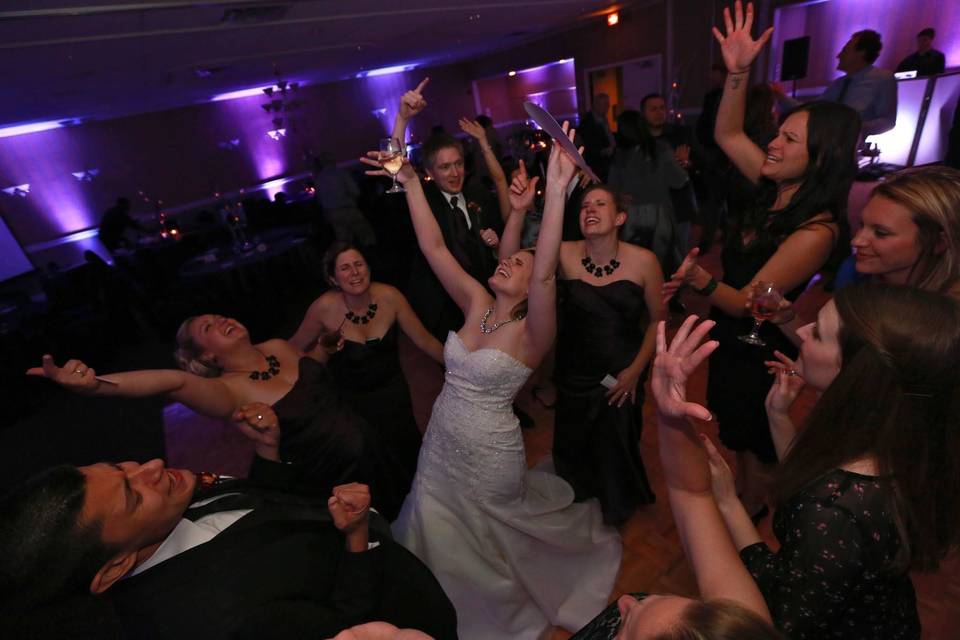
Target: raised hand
x,y
74,375
406,174
350,506
681,276
674,364
523,190
412,102
474,129
738,47
561,167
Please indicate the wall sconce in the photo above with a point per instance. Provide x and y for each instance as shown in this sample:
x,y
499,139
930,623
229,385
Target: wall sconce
x,y
276,134
18,191
86,176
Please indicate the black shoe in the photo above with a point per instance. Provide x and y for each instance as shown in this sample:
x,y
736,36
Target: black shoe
x,y
526,422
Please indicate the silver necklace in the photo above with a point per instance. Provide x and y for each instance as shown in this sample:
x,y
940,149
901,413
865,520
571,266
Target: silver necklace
x,y
496,325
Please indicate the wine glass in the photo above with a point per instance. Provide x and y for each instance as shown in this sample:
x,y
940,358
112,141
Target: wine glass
x,y
391,159
765,304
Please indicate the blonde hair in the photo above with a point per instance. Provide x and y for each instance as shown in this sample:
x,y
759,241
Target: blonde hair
x,y
719,619
188,354
932,194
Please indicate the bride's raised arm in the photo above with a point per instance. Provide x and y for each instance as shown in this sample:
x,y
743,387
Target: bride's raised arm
x,y
464,290
542,297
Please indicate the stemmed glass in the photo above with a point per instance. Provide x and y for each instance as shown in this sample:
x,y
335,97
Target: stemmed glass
x,y
391,159
764,305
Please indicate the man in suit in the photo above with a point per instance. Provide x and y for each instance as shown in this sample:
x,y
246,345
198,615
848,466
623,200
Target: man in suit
x,y
926,60
470,220
236,559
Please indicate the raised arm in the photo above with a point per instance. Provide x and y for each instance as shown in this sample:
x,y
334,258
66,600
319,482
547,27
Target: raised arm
x,y
209,396
311,327
411,103
522,192
739,50
800,256
475,129
703,534
410,324
542,297
464,290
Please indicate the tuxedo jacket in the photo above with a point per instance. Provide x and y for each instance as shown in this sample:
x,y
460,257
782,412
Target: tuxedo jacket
x,y
436,309
281,570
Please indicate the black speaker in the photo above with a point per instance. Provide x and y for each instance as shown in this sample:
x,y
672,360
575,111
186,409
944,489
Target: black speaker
x,y
795,55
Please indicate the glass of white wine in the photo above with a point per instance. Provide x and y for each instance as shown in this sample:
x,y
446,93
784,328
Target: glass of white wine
x,y
391,159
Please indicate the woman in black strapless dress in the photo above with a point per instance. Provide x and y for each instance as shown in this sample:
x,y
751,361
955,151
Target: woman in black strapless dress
x,y
609,307
357,323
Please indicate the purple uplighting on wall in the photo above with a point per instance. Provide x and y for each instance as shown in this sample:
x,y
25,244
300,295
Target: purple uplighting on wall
x,y
830,24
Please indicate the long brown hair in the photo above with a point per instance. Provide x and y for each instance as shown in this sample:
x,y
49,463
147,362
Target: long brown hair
x,y
896,399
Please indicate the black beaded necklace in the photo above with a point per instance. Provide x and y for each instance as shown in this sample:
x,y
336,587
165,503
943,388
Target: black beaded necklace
x,y
273,368
365,318
597,270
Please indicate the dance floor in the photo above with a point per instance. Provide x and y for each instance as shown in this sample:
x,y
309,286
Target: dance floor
x,y
653,561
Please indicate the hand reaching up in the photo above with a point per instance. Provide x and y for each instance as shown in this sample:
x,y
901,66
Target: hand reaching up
x,y
561,167
674,364
412,102
407,172
473,129
523,190
738,47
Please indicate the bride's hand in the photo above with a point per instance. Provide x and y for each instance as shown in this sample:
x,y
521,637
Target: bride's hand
x,y
407,172
561,167
675,363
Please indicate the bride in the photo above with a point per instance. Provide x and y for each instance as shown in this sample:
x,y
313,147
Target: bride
x,y
512,550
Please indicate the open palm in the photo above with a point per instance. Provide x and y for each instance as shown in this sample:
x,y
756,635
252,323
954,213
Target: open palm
x,y
674,364
738,47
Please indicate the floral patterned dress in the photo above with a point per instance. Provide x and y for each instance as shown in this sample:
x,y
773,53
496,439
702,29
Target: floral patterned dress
x,y
830,578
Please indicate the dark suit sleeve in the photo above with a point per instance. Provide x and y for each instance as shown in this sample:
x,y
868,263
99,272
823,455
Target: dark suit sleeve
x,y
273,475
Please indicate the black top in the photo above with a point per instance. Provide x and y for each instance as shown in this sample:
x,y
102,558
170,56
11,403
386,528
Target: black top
x,y
926,64
830,578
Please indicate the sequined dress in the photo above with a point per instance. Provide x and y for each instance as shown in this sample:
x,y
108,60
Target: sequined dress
x,y
511,549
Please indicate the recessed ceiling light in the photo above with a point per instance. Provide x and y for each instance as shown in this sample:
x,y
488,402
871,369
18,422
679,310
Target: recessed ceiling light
x,y
511,73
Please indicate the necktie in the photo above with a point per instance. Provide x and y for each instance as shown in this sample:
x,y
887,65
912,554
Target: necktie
x,y
843,88
226,503
459,223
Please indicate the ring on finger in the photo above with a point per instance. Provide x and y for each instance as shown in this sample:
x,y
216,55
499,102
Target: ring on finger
x,y
259,417
792,372
78,371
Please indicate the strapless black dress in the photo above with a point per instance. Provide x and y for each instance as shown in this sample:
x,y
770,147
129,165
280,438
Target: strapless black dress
x,y
331,444
596,447
370,379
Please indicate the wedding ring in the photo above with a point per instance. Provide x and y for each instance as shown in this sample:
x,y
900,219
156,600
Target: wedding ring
x,y
78,371
792,372
259,417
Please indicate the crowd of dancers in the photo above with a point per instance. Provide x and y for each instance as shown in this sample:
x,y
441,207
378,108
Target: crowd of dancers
x,y
864,491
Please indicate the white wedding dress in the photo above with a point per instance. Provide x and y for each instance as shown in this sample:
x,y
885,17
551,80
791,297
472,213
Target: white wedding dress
x,y
511,549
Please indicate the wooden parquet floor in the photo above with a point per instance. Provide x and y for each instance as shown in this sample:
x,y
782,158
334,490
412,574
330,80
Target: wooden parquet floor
x,y
653,561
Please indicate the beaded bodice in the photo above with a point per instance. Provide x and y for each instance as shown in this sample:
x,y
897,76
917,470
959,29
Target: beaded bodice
x,y
473,437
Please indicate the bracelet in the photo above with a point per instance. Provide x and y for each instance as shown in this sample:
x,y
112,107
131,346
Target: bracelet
x,y
708,288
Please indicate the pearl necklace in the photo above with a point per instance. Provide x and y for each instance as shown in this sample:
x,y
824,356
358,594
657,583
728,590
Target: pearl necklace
x,y
496,325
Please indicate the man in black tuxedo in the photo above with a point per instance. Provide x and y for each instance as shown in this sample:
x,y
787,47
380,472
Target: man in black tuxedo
x,y
237,559
470,220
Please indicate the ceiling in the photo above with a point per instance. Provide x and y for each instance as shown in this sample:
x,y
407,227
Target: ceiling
x,y
106,58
